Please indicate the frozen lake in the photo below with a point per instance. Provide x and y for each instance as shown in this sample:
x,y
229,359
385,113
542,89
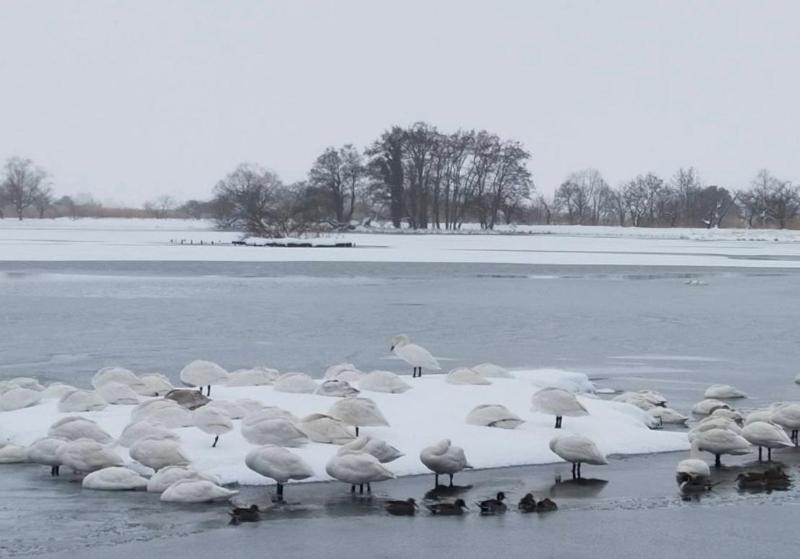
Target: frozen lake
x,y
627,326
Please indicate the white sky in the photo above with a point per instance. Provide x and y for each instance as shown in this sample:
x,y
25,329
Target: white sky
x,y
129,100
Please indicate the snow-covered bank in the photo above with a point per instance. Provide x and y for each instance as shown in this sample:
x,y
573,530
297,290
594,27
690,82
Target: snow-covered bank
x,y
180,240
430,411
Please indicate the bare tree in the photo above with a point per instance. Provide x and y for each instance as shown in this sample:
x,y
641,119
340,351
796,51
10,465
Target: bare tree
x,y
22,183
43,199
161,206
386,164
341,174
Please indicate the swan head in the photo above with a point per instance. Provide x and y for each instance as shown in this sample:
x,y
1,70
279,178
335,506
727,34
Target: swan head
x,y
399,341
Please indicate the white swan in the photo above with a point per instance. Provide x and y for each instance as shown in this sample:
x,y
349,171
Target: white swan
x,y
25,382
12,453
667,416
44,451
114,478
788,417
56,390
257,376
87,455
357,468
692,470
74,427
464,375
721,441
723,392
758,415
154,384
490,370
231,408
557,402
578,450
493,415
79,401
766,435
18,398
416,356
167,412
336,388
378,448
142,429
444,458
343,371
278,463
158,453
325,429
202,373
196,491
733,415
116,374
637,399
707,406
358,412
117,393
295,383
713,423
163,478
383,381
263,429
212,421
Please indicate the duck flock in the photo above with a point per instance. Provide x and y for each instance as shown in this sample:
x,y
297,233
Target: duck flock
x,y
148,453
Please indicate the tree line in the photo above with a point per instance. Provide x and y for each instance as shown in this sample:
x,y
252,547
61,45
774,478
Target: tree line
x,y
422,178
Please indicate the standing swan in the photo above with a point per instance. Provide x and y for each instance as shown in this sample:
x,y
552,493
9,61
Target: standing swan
x,y
557,402
277,463
201,373
357,468
443,458
416,356
578,450
212,421
358,412
763,434
719,442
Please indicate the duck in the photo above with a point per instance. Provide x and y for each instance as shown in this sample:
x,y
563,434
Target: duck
x,y
357,468
278,463
557,402
417,356
527,503
719,442
444,458
212,421
200,373
751,480
380,449
493,506
245,514
401,508
196,491
158,453
546,505
456,508
358,412
578,450
763,434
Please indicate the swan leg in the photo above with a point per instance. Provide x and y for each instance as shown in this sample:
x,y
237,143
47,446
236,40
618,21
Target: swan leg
x,y
54,471
759,454
279,493
769,454
558,422
717,461
353,489
579,470
209,390
451,480
216,439
361,489
574,470
356,430
369,489
435,481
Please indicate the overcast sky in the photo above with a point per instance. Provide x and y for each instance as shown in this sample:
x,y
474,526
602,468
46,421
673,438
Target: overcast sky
x,y
129,100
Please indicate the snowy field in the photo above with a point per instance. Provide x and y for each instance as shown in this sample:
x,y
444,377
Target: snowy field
x,y
160,240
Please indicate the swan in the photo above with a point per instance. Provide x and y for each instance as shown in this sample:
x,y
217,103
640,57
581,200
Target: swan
x,y
79,401
18,398
464,375
116,374
278,463
655,398
262,429
713,423
557,402
344,371
12,453
201,373
325,429
707,406
270,412
493,415
141,429
154,384
248,405
378,448
87,455
758,415
117,393
357,468
232,409
189,399
668,416
358,412
167,412
163,478
114,478
44,451
723,392
416,356
733,415
443,458
196,491
577,449
56,390
383,381
763,434
788,417
491,370
25,382
212,421
74,427
721,441
257,376
336,388
295,383
636,399
692,469
158,453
